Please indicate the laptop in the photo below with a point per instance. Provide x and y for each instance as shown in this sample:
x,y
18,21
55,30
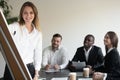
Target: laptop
x,y
79,65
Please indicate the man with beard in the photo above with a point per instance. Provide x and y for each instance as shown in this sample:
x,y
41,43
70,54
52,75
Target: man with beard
x,y
54,56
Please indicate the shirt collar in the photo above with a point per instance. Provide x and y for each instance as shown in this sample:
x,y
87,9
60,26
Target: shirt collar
x,y
24,29
88,49
57,48
110,49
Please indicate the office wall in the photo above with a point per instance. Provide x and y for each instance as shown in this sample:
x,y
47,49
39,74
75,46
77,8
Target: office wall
x,y
74,19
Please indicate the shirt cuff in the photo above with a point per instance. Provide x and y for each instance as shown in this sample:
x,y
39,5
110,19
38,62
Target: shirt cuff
x,y
105,76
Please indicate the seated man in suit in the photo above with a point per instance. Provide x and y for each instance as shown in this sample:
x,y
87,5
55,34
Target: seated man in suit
x,y
55,56
88,53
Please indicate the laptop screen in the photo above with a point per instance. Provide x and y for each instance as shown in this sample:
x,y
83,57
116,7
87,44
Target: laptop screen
x,y
79,65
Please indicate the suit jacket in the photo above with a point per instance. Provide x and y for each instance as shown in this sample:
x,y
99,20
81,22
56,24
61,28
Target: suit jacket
x,y
111,65
95,58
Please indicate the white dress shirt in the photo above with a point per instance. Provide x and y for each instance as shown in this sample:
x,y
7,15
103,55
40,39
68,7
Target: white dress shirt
x,y
58,57
87,53
29,45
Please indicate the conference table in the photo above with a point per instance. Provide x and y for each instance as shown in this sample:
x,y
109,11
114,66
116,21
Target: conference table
x,y
60,75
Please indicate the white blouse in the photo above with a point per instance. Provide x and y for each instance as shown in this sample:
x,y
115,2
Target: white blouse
x,y
29,45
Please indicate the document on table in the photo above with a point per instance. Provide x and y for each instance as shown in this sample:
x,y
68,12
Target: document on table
x,y
42,79
51,70
60,78
85,79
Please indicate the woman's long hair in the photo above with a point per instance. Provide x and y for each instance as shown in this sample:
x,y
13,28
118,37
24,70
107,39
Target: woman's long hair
x,y
113,38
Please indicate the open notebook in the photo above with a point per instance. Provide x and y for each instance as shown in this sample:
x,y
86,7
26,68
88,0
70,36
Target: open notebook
x,y
52,70
85,79
60,78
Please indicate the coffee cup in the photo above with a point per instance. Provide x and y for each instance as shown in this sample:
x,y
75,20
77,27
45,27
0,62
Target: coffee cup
x,y
85,72
72,76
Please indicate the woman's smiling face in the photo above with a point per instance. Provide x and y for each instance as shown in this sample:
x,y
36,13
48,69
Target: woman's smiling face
x,y
107,40
28,14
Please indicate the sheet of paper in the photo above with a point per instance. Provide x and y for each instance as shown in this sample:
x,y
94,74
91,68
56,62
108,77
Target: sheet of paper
x,y
51,70
42,79
85,79
61,78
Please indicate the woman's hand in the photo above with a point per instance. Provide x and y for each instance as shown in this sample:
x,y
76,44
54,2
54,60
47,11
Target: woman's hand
x,y
98,76
35,77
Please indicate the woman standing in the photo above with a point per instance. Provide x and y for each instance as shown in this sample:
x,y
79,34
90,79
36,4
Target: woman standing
x,y
28,39
111,68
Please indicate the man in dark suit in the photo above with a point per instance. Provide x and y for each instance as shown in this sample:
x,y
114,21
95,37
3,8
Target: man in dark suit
x,y
89,53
